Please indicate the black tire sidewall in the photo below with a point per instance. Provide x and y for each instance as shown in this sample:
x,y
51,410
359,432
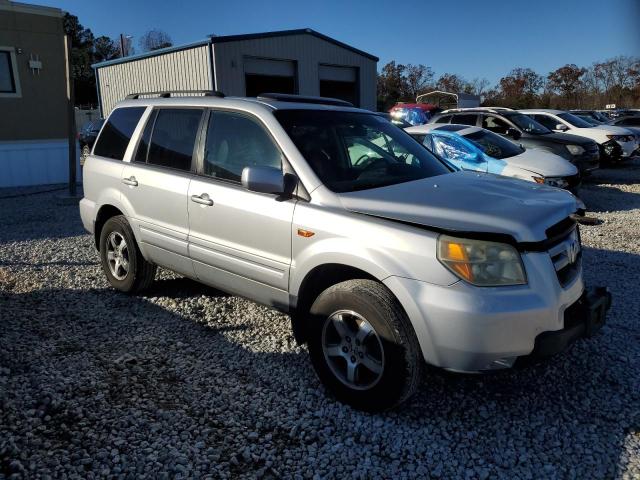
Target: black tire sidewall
x,y
120,225
387,392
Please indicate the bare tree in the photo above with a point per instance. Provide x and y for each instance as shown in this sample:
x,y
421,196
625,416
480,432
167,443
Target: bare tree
x,y
417,79
154,40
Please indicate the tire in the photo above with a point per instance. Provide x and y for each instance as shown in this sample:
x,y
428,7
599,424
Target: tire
x,y
138,274
392,348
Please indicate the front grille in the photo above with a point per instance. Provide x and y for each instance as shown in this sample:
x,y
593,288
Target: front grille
x,y
566,255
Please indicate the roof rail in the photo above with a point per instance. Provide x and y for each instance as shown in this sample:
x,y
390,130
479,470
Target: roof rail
x,y
286,97
169,93
478,109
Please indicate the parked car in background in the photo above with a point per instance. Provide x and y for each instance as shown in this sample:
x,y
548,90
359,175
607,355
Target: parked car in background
x,y
87,137
384,259
582,152
412,113
606,136
474,148
629,123
396,121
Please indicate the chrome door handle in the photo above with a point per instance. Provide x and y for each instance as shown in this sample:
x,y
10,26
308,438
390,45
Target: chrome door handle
x,y
202,199
131,181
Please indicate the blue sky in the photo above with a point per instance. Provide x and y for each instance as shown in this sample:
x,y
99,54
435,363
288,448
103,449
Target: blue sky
x,y
483,38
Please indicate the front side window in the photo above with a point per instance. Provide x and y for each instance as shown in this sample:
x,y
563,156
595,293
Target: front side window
x,y
173,138
7,75
528,124
572,119
495,124
546,120
116,134
494,145
357,151
235,141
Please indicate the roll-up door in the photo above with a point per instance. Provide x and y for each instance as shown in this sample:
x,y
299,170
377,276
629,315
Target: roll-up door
x,y
339,82
264,75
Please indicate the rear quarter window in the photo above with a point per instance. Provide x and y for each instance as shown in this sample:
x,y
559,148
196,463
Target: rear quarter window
x,y
117,132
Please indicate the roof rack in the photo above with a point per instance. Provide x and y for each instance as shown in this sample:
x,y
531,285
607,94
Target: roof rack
x,y
169,93
478,109
286,97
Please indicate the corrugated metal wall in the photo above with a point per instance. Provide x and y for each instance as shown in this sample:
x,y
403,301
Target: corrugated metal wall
x,y
187,69
309,51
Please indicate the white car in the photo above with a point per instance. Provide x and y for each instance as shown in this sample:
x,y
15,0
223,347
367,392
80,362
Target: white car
x,y
607,136
475,148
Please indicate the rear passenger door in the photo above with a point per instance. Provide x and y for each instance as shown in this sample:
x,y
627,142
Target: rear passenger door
x,y
156,183
240,241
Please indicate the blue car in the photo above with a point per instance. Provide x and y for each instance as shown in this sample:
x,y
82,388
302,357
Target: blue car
x,y
474,148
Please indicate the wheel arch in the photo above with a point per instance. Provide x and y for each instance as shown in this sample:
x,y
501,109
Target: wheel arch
x,y
105,212
317,280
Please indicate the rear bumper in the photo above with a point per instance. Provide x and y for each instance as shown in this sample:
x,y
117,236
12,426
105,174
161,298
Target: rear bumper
x,y
87,214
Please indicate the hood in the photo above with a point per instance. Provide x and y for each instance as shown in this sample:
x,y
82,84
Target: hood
x,y
543,163
615,130
562,138
469,202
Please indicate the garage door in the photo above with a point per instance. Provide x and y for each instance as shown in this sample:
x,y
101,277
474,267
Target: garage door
x,y
339,82
265,75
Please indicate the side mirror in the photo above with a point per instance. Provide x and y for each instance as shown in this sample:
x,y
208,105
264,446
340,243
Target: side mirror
x,y
263,179
514,133
561,127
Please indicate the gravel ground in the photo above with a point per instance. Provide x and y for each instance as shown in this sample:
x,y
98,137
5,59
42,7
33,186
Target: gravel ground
x,y
185,381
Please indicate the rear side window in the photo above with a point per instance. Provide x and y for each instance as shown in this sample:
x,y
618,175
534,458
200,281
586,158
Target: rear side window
x,y
443,119
172,139
117,132
465,119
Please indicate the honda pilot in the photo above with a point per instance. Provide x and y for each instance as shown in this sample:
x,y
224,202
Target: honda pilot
x,y
383,256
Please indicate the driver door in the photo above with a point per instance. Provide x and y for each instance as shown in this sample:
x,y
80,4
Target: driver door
x,y
458,154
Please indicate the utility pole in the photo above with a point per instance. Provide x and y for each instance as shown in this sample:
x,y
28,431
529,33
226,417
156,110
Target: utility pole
x,y
71,117
122,45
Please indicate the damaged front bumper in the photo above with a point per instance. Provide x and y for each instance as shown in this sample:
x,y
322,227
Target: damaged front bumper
x,y
582,319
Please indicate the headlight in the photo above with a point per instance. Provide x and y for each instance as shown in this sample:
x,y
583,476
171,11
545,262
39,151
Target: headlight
x,y
481,263
619,138
557,182
575,149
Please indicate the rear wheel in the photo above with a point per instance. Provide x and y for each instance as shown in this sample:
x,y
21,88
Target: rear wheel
x,y
363,347
123,264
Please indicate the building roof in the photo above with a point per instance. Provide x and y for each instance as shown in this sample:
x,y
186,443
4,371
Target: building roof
x,y
237,38
17,7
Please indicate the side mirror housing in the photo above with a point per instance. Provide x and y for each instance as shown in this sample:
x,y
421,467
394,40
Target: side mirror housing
x,y
514,133
561,127
263,179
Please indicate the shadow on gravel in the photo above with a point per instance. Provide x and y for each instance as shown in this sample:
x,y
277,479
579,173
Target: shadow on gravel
x,y
98,376
604,198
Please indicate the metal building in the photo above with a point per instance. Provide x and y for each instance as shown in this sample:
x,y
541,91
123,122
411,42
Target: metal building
x,y
291,61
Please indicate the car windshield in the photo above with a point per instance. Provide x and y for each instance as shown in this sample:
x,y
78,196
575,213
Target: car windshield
x,y
528,124
493,144
573,120
352,151
588,118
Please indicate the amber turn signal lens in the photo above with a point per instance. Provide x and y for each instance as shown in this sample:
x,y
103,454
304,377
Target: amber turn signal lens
x,y
305,233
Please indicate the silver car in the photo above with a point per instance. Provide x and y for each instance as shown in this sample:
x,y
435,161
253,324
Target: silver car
x,y
383,256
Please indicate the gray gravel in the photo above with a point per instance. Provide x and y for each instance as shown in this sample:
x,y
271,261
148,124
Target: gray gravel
x,y
185,381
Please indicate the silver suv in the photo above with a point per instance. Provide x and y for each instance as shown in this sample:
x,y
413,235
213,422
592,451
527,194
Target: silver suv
x,y
382,255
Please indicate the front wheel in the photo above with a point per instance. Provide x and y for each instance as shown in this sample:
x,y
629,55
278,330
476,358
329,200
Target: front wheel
x,y
123,264
363,347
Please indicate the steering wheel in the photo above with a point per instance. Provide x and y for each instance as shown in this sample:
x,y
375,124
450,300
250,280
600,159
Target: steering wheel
x,y
374,163
361,159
